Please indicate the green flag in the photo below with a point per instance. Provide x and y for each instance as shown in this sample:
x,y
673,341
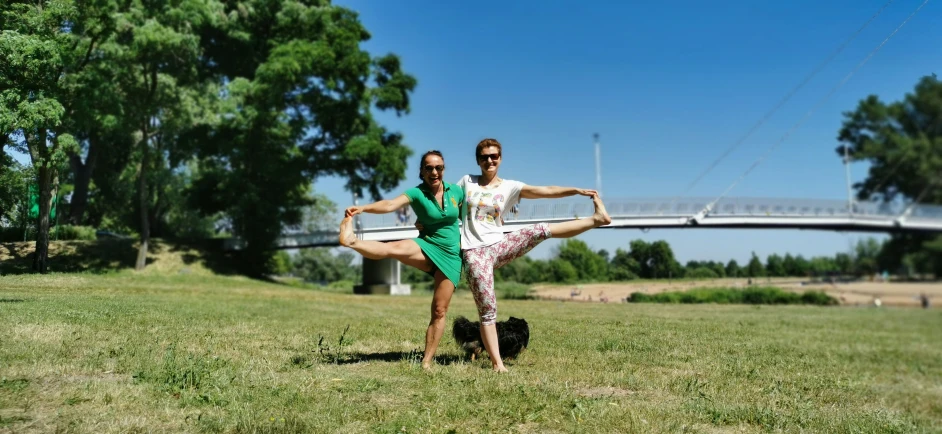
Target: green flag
x,y
34,203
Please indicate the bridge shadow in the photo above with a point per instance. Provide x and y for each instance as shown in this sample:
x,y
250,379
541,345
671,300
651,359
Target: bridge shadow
x,y
398,356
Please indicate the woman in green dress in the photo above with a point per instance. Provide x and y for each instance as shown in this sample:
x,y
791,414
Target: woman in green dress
x,y
437,206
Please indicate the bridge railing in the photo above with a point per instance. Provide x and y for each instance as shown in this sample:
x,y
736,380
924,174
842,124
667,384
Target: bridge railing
x,y
578,207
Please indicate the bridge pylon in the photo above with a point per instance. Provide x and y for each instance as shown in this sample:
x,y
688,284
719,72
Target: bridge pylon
x,y
382,277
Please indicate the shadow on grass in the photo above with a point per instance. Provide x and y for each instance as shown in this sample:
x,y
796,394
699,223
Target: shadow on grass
x,y
397,356
11,300
109,255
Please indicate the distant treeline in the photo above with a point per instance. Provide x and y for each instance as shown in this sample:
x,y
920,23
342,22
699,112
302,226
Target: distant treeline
x,y
574,261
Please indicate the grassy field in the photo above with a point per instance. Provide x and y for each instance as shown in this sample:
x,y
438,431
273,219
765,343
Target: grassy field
x,y
132,352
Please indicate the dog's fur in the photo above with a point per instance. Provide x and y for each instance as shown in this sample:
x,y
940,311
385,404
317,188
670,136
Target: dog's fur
x,y
513,336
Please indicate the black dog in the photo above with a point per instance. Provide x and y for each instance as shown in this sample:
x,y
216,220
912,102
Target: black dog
x,y
513,336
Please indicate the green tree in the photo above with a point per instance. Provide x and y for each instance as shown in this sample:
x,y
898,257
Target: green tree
x,y
733,269
656,259
157,55
623,266
701,273
14,179
522,270
297,104
844,263
589,265
43,48
562,271
755,268
866,253
902,142
775,266
321,266
718,268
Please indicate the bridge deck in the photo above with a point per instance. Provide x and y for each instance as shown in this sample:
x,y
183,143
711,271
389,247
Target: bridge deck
x,y
729,213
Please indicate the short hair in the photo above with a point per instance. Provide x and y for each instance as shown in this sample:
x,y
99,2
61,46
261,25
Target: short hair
x,y
487,143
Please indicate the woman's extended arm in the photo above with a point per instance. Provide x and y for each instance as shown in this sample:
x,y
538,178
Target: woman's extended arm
x,y
541,192
381,207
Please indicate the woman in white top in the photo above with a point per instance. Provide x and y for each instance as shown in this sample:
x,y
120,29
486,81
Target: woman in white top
x,y
484,246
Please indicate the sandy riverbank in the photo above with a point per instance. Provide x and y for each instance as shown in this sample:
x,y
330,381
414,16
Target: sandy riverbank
x,y
854,293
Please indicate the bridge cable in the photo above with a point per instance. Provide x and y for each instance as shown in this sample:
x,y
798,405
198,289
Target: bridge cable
x,y
784,100
912,205
814,108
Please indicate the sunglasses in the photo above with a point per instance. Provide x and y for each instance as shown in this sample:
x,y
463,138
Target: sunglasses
x,y
430,168
484,157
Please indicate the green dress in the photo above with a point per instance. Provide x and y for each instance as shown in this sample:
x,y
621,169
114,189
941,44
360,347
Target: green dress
x,y
439,239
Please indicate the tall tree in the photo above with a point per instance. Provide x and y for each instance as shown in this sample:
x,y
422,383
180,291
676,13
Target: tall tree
x,y
157,58
44,48
755,268
775,266
902,141
589,265
298,96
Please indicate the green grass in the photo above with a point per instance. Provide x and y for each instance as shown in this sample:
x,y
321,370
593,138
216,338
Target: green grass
x,y
129,352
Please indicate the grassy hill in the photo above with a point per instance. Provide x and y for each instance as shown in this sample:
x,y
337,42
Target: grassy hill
x,y
111,255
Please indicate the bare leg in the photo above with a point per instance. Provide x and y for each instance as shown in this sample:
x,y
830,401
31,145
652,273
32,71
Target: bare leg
x,y
405,251
436,326
576,227
489,338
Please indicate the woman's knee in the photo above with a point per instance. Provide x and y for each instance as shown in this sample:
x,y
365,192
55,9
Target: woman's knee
x,y
439,310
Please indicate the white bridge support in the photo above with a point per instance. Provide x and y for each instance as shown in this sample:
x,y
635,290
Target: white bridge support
x,y
382,277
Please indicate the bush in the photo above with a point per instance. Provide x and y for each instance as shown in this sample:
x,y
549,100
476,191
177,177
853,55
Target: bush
x,y
69,232
512,291
701,273
64,233
758,295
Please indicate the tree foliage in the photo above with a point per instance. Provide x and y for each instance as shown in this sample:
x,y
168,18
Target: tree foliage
x,y
163,109
902,142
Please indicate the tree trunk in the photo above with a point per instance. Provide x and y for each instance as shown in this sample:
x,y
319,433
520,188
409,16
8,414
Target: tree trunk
x,y
145,214
44,174
83,177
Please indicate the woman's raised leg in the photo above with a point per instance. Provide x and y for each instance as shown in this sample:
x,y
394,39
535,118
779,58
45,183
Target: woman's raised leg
x,y
444,289
575,227
405,251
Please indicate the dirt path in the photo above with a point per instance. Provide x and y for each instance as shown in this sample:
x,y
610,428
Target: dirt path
x,y
856,293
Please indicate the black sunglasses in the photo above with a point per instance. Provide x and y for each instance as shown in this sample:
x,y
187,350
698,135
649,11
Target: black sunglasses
x,y
430,168
485,157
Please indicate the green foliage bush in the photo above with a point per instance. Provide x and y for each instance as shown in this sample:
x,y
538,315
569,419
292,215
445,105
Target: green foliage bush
x,y
512,291
64,233
757,295
69,232
701,273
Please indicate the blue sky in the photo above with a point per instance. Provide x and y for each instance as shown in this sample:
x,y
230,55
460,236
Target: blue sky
x,y
668,86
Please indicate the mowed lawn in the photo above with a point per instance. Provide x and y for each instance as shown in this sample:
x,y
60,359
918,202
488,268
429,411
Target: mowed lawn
x,y
146,353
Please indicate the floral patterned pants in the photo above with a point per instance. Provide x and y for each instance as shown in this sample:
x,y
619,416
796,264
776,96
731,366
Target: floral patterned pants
x,y
481,262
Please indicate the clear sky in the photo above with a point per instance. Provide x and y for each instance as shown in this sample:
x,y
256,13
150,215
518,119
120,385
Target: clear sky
x,y
669,86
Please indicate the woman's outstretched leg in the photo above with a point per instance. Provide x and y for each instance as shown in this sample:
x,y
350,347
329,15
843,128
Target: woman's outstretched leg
x,y
406,251
575,227
444,289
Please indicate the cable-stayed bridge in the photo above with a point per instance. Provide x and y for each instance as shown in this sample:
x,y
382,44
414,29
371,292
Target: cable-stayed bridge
x,y
645,214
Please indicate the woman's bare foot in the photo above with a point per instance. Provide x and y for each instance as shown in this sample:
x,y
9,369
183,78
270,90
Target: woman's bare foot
x,y
500,368
601,216
426,365
347,237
